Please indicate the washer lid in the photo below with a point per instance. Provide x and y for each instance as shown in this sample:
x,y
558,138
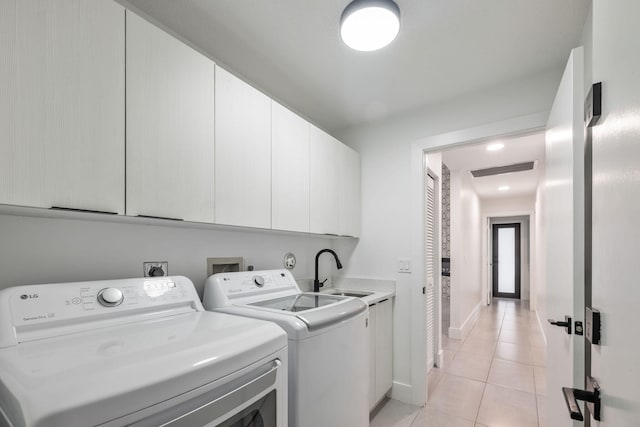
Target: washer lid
x,y
91,377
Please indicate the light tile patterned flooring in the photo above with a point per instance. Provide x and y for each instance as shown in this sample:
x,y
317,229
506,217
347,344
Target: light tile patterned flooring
x,y
494,378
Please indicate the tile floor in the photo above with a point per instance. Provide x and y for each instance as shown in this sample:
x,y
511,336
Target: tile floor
x,y
496,377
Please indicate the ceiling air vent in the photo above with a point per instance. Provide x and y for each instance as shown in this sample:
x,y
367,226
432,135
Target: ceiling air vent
x,y
518,167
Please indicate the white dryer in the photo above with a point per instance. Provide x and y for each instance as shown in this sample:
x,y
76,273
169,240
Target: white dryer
x,y
135,352
328,343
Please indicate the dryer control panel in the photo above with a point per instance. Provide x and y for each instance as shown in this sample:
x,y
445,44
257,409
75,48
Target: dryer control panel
x,y
41,311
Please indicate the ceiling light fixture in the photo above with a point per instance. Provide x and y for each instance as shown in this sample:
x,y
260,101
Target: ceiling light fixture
x,y
503,188
368,25
495,147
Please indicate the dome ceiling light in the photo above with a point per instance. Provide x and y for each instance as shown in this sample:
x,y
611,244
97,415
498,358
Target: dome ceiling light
x,y
368,25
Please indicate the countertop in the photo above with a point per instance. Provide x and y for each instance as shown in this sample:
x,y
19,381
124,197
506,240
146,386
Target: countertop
x,y
375,297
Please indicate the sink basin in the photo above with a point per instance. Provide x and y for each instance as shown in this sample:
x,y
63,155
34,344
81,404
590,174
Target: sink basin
x,y
357,294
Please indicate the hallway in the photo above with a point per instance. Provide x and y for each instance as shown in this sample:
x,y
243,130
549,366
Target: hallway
x,y
495,377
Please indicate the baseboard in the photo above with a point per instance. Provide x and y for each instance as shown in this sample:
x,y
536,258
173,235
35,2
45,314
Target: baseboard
x,y
402,392
541,325
463,331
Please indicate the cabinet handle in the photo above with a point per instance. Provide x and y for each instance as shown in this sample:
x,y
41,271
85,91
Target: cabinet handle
x,y
160,217
381,301
60,208
371,305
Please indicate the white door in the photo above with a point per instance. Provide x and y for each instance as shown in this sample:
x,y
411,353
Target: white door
x,y
564,221
289,170
170,126
430,230
349,192
243,153
62,104
324,152
616,209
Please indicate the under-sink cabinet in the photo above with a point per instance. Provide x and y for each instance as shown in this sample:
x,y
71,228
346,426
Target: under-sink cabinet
x,y
380,350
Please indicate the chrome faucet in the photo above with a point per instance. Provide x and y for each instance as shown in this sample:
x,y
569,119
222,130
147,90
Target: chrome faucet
x,y
316,283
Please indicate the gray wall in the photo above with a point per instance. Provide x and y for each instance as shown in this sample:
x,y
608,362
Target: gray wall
x,y
48,250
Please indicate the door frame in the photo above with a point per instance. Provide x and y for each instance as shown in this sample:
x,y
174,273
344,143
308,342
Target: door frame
x,y
416,391
517,256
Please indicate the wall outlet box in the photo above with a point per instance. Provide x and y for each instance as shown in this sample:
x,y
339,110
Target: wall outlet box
x,y
404,265
155,268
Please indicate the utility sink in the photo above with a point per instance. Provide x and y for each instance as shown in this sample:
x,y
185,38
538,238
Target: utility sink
x,y
357,294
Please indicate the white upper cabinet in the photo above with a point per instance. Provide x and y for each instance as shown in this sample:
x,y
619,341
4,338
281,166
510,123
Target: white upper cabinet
x,y
243,153
170,126
289,170
324,160
349,192
62,104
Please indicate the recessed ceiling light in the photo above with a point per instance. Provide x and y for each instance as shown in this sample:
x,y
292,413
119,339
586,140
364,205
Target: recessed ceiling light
x,y
368,25
503,188
495,147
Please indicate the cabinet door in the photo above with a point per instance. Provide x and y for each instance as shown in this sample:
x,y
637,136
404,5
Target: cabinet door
x,y
170,126
349,192
62,104
243,153
289,170
384,347
373,397
323,184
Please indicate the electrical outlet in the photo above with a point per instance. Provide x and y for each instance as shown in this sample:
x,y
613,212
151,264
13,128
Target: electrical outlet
x,y
155,268
404,265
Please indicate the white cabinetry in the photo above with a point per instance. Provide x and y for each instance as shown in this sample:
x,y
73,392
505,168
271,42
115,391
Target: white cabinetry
x,y
372,356
324,179
380,350
170,126
289,170
349,192
243,153
62,104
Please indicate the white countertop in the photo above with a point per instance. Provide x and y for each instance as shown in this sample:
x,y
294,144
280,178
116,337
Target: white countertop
x,y
375,297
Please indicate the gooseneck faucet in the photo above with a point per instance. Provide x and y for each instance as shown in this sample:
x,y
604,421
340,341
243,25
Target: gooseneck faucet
x,y
316,283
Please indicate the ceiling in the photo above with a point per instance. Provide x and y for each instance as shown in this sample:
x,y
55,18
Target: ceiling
x,y
291,50
516,150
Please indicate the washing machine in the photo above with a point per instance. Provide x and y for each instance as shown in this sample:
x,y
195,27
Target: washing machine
x,y
135,352
328,343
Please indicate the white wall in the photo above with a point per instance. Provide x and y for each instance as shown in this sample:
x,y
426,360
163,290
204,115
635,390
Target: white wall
x,y
539,271
386,156
47,250
466,259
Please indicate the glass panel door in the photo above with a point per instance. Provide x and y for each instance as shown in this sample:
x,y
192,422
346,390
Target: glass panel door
x,y
506,260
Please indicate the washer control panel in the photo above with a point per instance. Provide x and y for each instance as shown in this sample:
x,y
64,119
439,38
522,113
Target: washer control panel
x,y
255,282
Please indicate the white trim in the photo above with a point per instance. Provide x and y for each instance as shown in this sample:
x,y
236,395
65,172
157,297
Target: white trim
x,y
513,126
541,325
401,391
463,331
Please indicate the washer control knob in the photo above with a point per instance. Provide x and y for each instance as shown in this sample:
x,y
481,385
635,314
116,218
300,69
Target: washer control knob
x,y
110,297
258,281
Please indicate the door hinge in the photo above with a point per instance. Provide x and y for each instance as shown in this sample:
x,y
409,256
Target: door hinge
x,y
424,290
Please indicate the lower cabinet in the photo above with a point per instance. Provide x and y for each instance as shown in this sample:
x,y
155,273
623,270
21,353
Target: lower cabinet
x,y
380,350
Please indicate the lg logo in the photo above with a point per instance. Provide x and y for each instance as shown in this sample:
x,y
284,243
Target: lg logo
x,y
28,296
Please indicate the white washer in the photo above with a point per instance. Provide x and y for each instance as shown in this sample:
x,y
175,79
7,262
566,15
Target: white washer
x,y
139,352
328,343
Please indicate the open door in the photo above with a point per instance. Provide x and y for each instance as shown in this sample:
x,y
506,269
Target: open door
x,y
564,222
616,210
